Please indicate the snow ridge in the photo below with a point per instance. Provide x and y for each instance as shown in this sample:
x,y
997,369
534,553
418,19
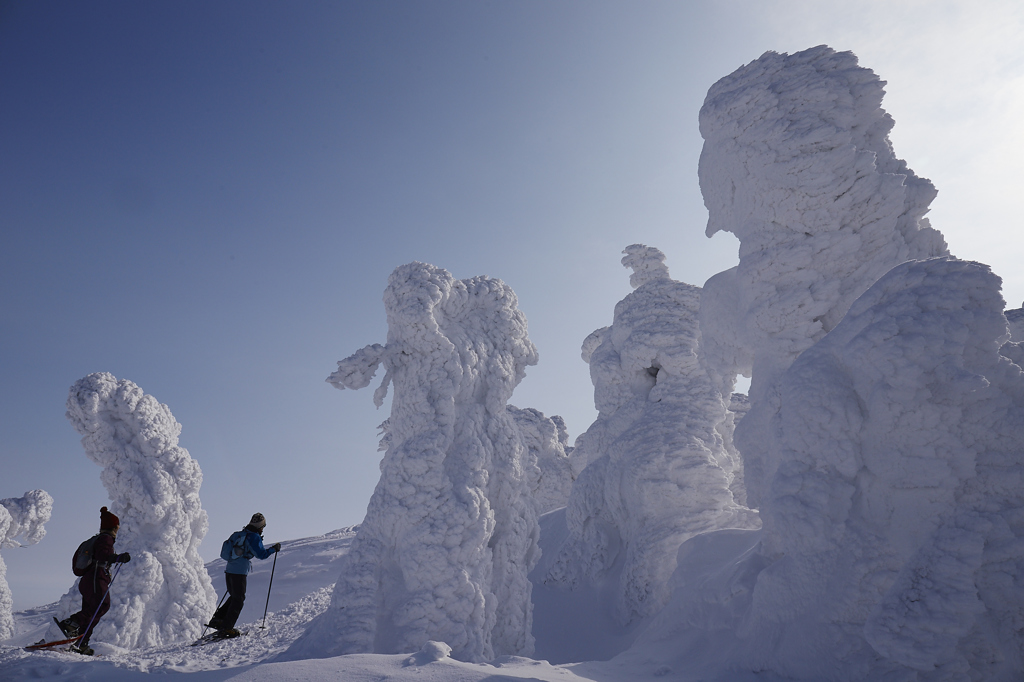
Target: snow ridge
x,y
164,594
451,529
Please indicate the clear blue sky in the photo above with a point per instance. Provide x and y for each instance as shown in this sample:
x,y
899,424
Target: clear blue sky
x,y
206,198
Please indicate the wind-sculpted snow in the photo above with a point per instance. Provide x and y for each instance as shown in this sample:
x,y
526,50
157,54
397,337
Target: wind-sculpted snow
x,y
894,528
657,467
1015,318
797,164
547,442
451,529
164,594
23,517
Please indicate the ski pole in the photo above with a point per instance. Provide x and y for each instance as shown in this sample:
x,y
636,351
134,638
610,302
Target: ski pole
x,y
264,626
109,585
207,625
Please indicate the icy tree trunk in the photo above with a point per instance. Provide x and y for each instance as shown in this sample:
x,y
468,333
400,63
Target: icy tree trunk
x,y
165,594
658,470
24,517
797,164
451,530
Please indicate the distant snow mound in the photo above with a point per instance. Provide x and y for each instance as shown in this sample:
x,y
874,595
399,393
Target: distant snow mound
x,y
657,469
164,594
451,529
26,517
547,442
895,522
798,165
1015,318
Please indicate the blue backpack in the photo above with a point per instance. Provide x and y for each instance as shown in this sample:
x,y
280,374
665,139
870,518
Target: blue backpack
x,y
236,546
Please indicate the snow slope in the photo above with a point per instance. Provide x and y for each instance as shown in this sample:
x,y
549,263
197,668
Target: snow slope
x,y
302,588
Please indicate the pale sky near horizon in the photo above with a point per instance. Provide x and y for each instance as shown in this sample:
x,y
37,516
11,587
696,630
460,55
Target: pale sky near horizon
x,y
207,199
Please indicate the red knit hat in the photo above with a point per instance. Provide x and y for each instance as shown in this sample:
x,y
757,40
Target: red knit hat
x,y
107,520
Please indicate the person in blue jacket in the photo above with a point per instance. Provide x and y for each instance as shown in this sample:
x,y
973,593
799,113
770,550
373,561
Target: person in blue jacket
x,y
238,551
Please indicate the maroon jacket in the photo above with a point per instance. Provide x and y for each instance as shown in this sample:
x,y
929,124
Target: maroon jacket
x,y
98,575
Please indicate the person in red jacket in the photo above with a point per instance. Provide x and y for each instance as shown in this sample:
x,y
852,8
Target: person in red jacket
x,y
95,583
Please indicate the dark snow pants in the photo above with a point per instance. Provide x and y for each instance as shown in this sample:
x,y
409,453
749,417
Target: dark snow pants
x,y
227,615
95,600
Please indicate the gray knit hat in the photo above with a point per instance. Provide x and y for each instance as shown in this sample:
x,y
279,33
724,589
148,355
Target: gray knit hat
x,y
258,522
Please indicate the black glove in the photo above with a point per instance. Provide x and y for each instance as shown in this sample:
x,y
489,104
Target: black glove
x,y
124,557
276,547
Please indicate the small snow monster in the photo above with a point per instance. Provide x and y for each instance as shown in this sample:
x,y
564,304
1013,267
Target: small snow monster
x,y
23,517
657,468
165,594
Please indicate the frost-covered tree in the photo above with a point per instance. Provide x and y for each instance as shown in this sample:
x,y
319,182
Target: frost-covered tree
x,y
798,165
23,517
451,530
657,468
547,442
165,594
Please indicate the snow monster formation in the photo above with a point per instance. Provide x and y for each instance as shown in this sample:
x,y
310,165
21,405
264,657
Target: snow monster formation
x,y
24,517
165,594
451,530
657,469
797,164
893,532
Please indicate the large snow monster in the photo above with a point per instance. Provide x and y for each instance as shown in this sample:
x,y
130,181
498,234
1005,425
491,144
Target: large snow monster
x,y
451,529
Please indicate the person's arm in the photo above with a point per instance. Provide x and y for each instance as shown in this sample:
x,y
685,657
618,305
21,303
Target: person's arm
x,y
256,544
103,549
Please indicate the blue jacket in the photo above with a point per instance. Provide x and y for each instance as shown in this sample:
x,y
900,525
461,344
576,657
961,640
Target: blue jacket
x,y
253,548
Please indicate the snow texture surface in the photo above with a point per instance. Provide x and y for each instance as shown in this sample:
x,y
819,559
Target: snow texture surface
x,y
451,529
657,467
798,165
23,517
164,594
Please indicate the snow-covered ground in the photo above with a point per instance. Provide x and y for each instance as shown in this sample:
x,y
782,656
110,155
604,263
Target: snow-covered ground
x,y
303,579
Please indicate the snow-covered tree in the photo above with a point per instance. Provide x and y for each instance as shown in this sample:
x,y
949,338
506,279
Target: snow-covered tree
x,y
894,527
23,517
657,467
165,594
798,165
451,530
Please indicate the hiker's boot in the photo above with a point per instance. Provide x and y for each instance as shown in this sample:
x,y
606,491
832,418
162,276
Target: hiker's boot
x,y
69,627
83,648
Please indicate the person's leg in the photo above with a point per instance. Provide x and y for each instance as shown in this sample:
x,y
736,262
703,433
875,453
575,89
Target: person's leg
x,y
236,589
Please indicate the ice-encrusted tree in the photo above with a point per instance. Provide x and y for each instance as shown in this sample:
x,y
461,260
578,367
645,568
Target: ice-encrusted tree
x,y
165,594
22,517
547,442
798,165
451,531
657,468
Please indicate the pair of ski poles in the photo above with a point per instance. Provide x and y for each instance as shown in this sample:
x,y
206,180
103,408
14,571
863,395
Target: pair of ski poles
x,y
265,608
